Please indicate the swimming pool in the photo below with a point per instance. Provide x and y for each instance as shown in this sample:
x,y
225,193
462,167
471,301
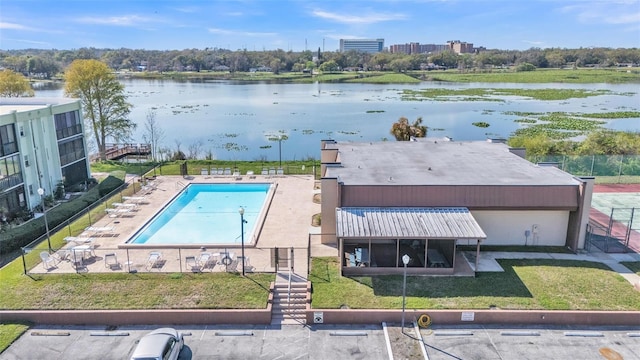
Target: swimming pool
x,y
208,214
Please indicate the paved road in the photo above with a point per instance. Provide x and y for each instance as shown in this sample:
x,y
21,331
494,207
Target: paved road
x,y
335,342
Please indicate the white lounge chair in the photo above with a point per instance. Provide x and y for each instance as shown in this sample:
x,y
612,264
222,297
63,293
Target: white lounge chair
x,y
134,199
117,212
154,260
207,260
100,229
191,263
126,206
79,240
111,261
204,171
48,261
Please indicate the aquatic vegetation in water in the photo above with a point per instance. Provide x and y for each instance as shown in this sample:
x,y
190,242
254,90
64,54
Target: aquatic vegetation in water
x,y
489,94
480,124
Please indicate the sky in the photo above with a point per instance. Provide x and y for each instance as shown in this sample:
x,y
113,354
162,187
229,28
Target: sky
x,y
309,25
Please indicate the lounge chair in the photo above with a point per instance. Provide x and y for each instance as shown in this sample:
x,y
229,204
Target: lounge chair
x,y
134,199
191,263
227,171
154,260
220,171
207,260
117,212
100,229
48,261
247,264
272,171
111,261
264,171
126,206
78,240
280,171
204,171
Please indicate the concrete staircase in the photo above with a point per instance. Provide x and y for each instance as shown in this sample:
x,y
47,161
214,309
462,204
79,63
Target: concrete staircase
x,y
289,303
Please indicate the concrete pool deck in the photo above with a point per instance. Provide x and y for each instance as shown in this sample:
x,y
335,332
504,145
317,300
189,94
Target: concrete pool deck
x,y
287,224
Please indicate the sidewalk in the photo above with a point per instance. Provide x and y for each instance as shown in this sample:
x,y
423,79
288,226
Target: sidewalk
x,y
488,263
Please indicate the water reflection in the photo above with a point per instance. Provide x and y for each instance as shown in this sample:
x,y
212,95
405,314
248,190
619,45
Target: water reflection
x,y
233,120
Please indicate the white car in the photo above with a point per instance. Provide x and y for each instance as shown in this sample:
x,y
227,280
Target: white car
x,y
160,344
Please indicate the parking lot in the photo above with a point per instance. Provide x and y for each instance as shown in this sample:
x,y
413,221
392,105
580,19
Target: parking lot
x,y
335,342
220,342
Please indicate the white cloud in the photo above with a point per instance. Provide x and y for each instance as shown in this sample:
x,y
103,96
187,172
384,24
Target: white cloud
x,y
607,12
13,26
370,18
125,20
240,33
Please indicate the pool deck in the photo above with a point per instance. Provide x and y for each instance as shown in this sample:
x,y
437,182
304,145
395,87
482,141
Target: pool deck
x,y
287,224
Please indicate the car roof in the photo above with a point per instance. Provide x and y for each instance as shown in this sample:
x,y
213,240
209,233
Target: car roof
x,y
152,345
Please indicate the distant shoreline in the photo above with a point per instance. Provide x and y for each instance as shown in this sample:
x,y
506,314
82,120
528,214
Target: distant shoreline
x,y
582,75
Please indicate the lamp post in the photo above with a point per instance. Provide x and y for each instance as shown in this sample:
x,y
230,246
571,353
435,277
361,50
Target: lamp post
x,y
138,146
44,211
405,261
242,222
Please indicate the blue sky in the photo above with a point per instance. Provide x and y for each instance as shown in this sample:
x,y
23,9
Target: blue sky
x,y
300,25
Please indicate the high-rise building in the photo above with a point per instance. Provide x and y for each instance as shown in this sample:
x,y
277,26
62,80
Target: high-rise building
x,y
416,48
42,143
365,45
460,47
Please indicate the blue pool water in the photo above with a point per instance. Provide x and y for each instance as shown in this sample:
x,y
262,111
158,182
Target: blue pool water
x,y
206,214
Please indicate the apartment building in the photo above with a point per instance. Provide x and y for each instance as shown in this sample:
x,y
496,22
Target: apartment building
x,y
460,47
416,48
365,45
42,143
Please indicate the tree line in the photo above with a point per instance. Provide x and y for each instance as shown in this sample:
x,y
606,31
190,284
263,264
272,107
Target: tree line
x,y
39,63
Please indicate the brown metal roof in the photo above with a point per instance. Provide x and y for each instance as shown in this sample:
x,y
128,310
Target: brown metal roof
x,y
393,222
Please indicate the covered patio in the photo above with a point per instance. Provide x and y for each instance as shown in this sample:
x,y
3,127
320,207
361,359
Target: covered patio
x,y
372,240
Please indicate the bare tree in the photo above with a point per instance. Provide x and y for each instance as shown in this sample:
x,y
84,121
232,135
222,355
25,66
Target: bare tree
x,y
154,135
194,150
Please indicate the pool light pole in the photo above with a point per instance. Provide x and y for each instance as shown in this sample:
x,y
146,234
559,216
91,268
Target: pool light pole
x,y
242,222
405,261
44,211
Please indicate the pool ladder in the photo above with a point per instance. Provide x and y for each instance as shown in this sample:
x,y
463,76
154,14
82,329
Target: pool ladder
x,y
180,185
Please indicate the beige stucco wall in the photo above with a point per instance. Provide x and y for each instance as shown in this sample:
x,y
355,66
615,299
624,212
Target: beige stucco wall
x,y
508,227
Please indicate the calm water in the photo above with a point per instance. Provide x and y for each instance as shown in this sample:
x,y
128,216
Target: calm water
x,y
206,214
217,114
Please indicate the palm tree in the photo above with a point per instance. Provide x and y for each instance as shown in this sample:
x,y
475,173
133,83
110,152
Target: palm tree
x,y
403,131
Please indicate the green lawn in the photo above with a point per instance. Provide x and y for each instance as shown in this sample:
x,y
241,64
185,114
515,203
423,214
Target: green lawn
x,y
132,291
10,333
525,284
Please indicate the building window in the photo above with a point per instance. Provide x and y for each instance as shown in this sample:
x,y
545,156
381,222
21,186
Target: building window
x,y
8,144
71,151
67,124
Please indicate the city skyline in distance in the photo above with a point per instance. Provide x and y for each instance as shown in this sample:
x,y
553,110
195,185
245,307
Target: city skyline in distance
x,y
306,25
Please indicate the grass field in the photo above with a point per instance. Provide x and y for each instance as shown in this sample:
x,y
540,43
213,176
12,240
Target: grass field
x,y
525,284
132,291
10,333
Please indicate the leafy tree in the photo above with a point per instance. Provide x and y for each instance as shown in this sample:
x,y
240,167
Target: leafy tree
x,y
403,131
13,84
103,100
329,66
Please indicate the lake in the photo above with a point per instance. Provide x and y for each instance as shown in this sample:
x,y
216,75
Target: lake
x,y
234,120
